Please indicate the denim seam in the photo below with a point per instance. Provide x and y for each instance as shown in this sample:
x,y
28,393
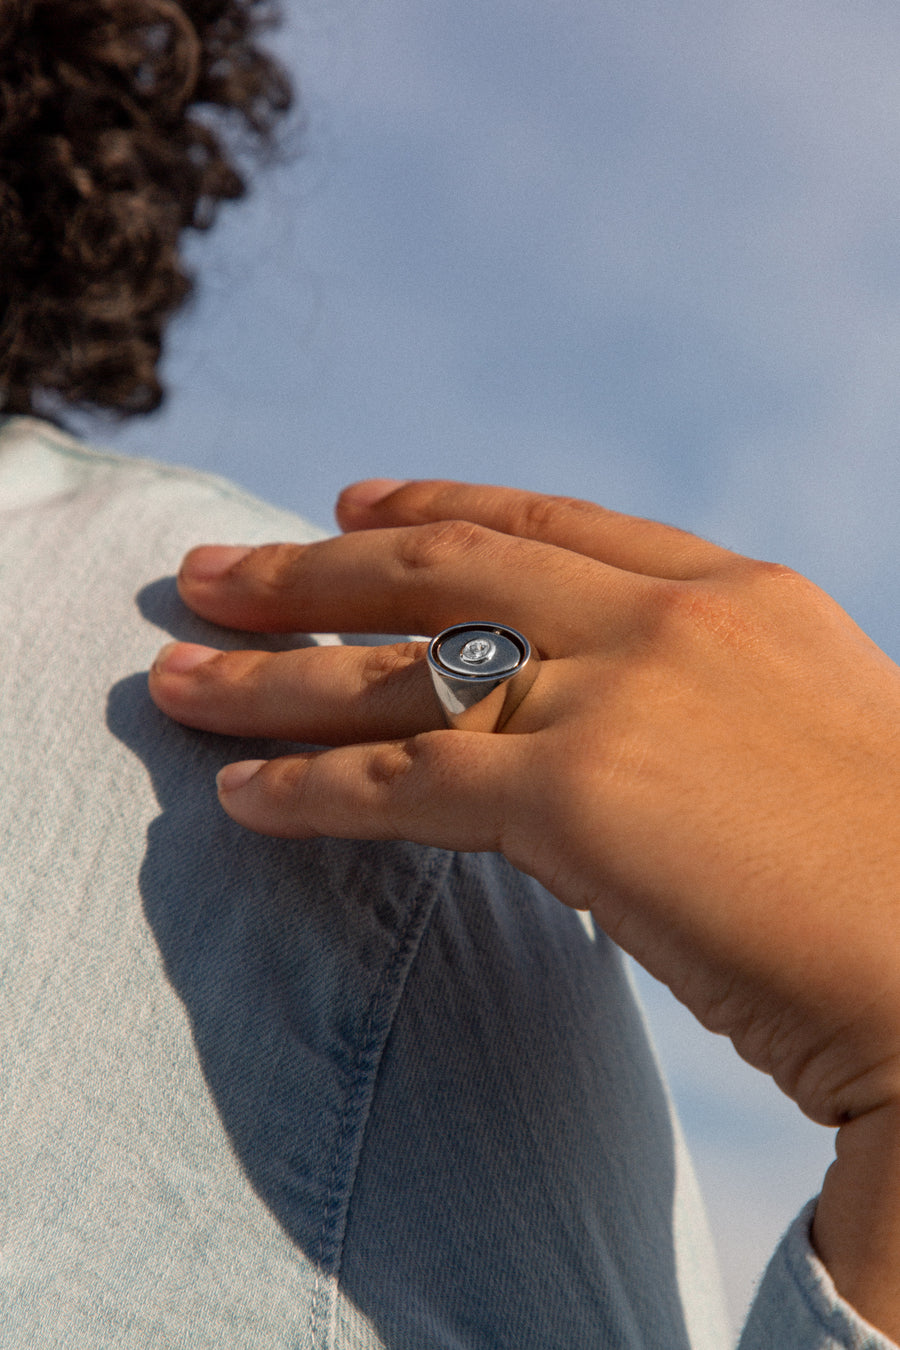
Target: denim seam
x,y
380,1017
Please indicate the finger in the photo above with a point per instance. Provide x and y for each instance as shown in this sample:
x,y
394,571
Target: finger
x,y
415,580
320,695
445,788
628,542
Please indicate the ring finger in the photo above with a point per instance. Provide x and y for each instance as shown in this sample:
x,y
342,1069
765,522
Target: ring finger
x,y
316,695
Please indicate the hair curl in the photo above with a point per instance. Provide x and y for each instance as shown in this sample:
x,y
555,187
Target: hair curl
x,y
121,123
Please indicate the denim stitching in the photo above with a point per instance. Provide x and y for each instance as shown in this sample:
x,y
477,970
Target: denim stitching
x,y
380,1017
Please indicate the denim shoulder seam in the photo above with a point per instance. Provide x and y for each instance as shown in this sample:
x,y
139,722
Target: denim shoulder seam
x,y
379,1020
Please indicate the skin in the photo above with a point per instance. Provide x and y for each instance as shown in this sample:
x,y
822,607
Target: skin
x,y
708,762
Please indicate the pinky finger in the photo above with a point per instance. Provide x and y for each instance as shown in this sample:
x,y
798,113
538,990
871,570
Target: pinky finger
x,y
442,788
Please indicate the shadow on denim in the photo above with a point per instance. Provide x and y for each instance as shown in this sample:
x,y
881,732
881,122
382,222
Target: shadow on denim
x,y
429,1074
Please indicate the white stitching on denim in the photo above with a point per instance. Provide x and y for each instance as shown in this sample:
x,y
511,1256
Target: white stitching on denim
x,y
365,1072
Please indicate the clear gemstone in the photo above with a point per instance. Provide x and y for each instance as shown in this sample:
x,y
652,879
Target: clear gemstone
x,y
477,651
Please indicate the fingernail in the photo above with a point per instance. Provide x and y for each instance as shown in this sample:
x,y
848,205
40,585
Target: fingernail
x,y
235,776
210,561
359,497
177,658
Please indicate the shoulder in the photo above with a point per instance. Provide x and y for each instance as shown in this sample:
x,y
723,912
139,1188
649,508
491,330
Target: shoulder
x,y
42,466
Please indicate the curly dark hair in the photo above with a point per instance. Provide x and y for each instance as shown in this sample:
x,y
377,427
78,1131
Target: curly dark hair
x,y
121,124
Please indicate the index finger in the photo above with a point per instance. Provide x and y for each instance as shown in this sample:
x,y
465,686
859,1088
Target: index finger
x,y
629,543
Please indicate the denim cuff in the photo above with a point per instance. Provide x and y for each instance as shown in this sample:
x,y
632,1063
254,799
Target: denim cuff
x,y
797,1304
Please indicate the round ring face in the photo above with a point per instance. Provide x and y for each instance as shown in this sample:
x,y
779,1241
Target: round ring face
x,y
476,649
480,673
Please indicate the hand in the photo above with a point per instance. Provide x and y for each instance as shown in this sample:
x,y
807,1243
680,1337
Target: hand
x,y
707,761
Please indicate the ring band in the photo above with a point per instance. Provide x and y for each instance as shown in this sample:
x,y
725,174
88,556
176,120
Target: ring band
x,y
481,672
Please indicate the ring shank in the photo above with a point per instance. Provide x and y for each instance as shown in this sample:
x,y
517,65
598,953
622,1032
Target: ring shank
x,y
483,700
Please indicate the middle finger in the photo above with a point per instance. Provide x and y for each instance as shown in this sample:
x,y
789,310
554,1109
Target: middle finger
x,y
418,579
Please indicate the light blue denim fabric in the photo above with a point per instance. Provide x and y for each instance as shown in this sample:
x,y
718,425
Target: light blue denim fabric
x,y
317,1095
797,1306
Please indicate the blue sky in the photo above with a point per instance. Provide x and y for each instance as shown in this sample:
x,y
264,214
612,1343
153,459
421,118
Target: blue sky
x,y
644,253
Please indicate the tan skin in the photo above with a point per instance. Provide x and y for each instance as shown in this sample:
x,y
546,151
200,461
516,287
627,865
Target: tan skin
x,y
708,762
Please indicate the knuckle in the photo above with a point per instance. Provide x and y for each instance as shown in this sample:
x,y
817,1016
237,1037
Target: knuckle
x,y
538,515
382,663
776,576
275,568
290,785
230,673
744,609
439,543
245,671
685,609
388,765
672,602
781,594
423,498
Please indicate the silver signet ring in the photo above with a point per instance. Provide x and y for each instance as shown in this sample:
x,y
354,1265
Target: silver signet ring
x,y
481,672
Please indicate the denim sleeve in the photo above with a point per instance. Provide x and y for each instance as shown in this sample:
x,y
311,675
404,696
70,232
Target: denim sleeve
x,y
264,1094
797,1305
